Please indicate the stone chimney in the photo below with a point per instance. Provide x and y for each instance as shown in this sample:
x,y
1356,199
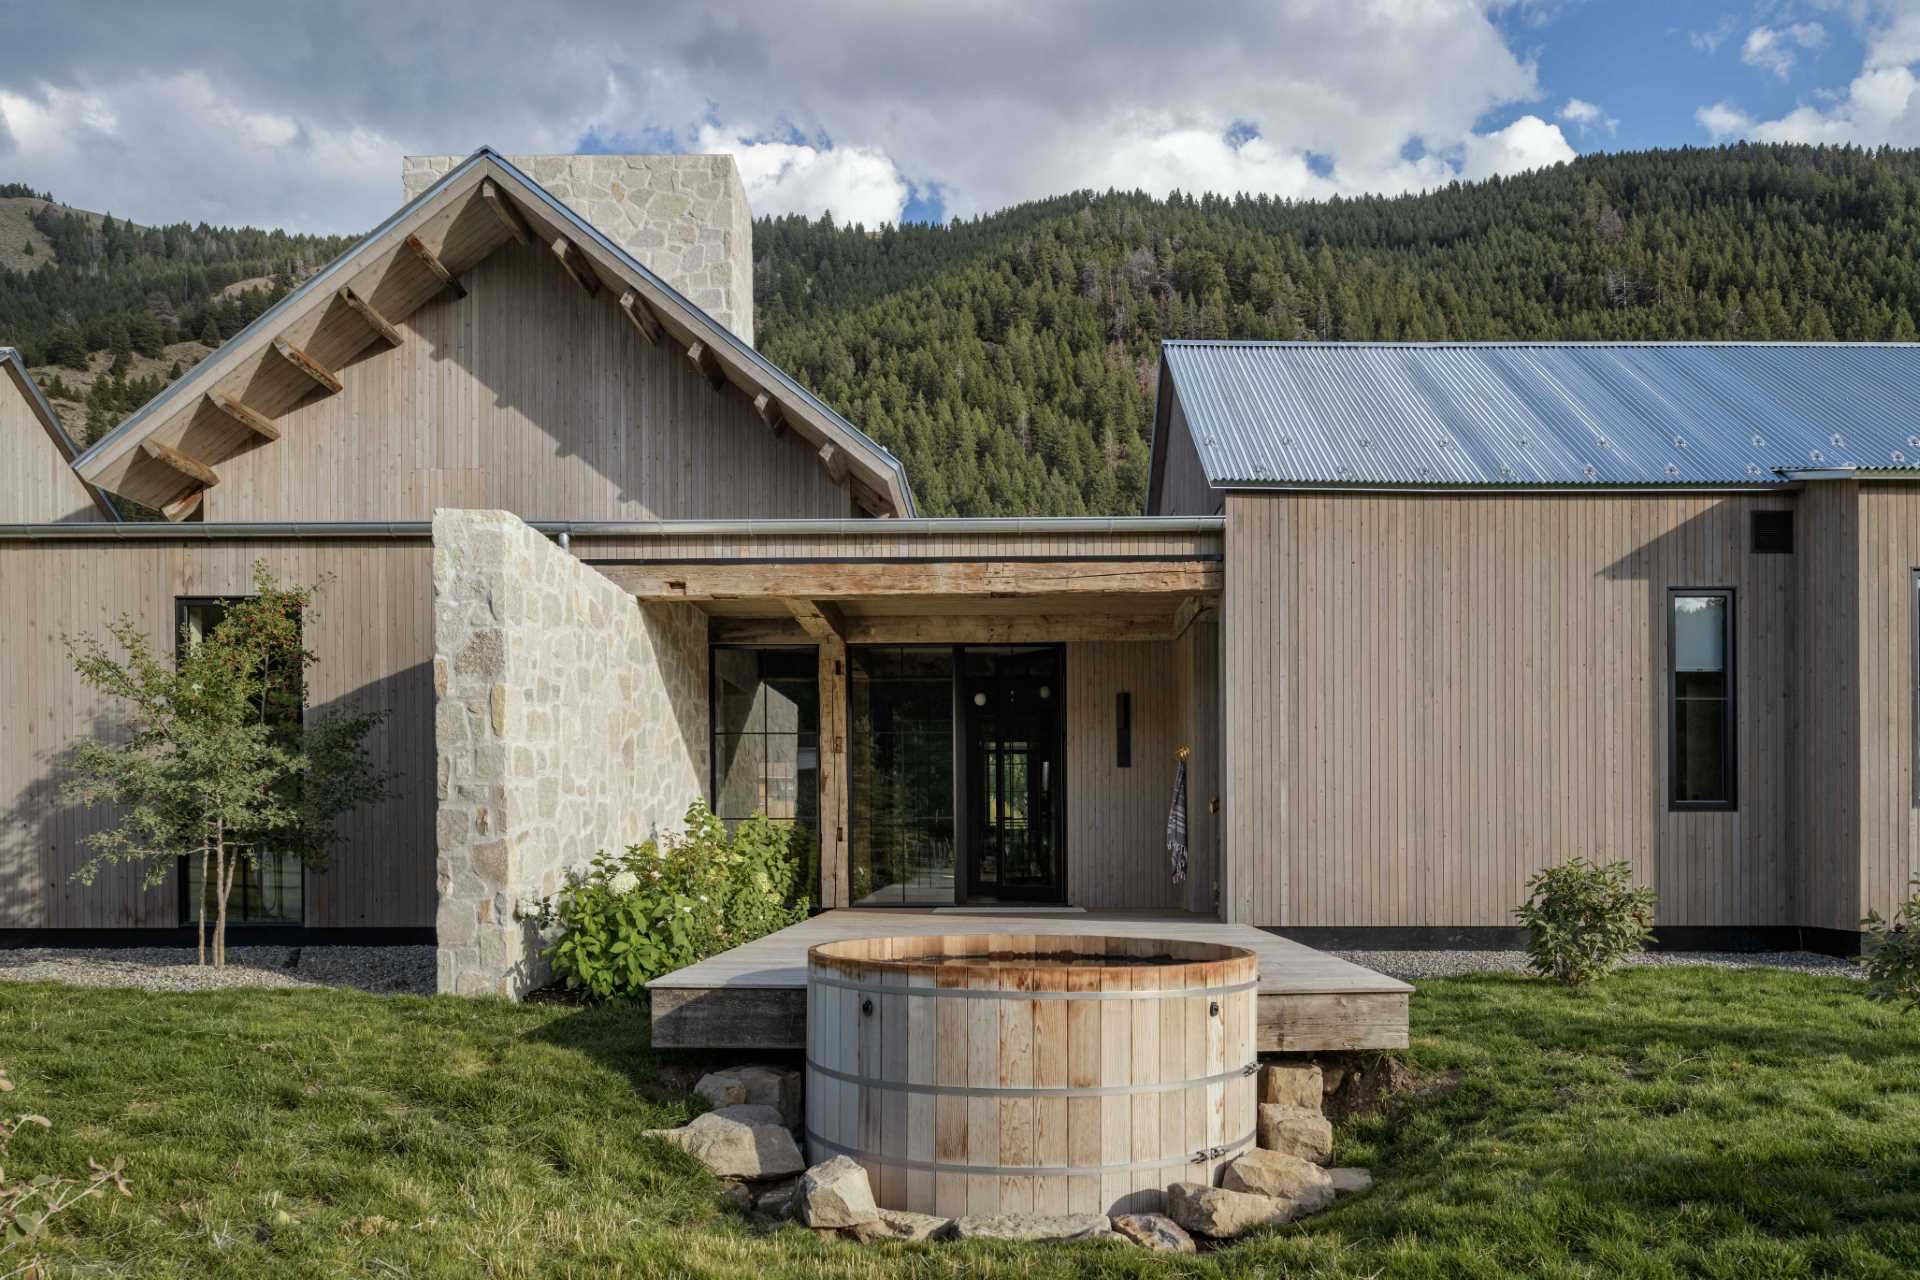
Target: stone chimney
x,y
685,217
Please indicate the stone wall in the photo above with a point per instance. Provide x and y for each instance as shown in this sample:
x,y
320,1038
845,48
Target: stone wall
x,y
568,719
685,217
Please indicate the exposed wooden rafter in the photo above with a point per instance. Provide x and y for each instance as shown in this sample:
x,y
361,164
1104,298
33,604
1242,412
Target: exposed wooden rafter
x,y
642,316
834,459
771,413
181,508
322,377
433,264
375,321
192,468
844,580
703,360
820,619
871,500
576,264
252,419
503,209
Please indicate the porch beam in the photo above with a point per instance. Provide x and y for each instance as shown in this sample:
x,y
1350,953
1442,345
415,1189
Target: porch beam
x,y
1019,628
820,620
833,772
436,268
1191,610
829,580
321,376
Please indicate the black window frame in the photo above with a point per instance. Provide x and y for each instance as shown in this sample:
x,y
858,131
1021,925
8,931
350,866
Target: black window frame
x,y
239,904
808,890
1730,745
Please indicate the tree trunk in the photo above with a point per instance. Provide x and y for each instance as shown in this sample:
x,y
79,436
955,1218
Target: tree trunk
x,y
222,871
201,912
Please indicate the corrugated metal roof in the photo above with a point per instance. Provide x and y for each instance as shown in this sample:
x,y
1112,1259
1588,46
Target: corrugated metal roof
x,y
1287,414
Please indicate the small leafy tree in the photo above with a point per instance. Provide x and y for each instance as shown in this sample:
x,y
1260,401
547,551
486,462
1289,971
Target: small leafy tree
x,y
1893,958
1583,918
220,763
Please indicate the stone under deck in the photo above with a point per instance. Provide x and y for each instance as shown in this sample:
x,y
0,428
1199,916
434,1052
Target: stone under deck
x,y
755,996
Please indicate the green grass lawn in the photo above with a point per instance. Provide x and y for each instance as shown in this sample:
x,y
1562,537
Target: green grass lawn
x,y
1668,1123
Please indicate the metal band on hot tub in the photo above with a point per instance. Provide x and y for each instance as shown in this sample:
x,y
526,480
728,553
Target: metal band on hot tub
x,y
1036,1091
1035,1171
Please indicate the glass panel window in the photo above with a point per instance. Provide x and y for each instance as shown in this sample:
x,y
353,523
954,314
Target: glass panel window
x,y
900,764
271,889
1700,634
766,745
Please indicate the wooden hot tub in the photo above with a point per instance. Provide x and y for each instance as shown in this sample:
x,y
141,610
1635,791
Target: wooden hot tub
x,y
1030,1073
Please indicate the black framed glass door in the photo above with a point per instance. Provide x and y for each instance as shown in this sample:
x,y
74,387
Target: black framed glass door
x,y
1010,743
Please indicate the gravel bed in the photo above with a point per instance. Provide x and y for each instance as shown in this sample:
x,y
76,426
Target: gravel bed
x,y
1409,965
402,970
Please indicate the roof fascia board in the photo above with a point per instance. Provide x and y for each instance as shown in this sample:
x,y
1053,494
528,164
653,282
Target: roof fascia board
x,y
980,527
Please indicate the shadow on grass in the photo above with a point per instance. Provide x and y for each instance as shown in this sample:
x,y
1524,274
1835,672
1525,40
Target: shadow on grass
x,y
617,1035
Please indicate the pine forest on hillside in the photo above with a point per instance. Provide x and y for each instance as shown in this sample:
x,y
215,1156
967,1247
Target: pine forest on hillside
x,y
1009,359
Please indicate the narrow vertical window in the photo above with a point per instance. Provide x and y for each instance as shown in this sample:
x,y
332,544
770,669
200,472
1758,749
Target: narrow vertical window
x,y
1123,730
1700,680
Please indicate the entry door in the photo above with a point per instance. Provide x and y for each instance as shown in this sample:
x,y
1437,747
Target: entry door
x,y
1010,713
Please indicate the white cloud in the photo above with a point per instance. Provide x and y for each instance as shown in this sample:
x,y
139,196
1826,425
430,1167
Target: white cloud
x,y
1527,143
1710,40
1879,106
1773,49
1586,116
856,184
297,115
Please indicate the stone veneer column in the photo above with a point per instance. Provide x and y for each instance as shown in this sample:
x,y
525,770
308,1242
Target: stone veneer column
x,y
568,719
685,217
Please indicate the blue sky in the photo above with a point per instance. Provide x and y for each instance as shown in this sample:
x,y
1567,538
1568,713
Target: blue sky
x,y
297,114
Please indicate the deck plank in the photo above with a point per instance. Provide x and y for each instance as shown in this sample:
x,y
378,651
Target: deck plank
x,y
754,996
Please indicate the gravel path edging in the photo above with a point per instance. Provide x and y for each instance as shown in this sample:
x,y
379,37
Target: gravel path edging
x,y
1411,965
382,970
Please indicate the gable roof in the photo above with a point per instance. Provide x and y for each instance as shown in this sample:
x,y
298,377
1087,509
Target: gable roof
x,y
16,365
1520,414
166,454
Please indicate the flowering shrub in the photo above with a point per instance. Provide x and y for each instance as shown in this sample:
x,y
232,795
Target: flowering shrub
x,y
1893,957
1584,918
660,906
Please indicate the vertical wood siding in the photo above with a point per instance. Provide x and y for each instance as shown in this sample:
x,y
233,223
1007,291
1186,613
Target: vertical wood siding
x,y
1184,490
1432,697
528,396
1888,850
37,484
1117,818
372,629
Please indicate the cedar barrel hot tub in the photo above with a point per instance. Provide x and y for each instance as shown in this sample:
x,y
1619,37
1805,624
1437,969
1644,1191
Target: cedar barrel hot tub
x,y
1030,1073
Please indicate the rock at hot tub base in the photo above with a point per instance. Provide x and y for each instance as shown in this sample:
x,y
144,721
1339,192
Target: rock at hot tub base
x,y
1280,1176
1351,1182
1035,1227
746,1142
836,1193
897,1224
1154,1231
1295,1131
773,1087
1223,1214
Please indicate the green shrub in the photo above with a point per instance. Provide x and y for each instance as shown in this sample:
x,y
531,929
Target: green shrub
x,y
1893,958
1583,918
660,906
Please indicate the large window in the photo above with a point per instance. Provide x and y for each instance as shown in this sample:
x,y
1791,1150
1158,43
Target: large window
x,y
1700,681
270,889
766,744
901,832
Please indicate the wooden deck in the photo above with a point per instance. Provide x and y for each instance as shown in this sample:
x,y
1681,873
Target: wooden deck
x,y
754,996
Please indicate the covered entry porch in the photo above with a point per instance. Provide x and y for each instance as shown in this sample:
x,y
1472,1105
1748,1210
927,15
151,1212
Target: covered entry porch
x,y
959,712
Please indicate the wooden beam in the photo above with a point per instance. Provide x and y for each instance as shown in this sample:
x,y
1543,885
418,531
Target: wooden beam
x,y
192,468
374,320
436,267
322,377
831,580
1191,610
502,205
183,508
820,619
771,413
871,500
576,264
253,420
709,367
833,772
642,316
929,628
834,459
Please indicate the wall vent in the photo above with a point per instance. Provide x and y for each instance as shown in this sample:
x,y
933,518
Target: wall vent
x,y
1773,533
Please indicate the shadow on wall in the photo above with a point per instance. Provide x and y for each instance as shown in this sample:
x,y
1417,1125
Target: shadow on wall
x,y
381,871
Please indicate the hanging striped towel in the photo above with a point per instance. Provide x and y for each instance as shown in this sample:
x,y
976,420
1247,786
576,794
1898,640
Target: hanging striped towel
x,y
1177,823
